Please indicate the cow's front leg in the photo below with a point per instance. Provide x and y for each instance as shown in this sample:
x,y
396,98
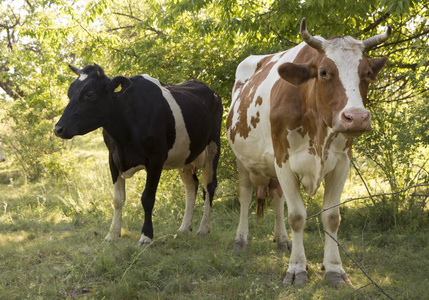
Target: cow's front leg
x,y
118,203
190,182
334,184
148,201
297,271
245,190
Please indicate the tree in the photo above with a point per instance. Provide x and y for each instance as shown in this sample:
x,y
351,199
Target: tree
x,y
175,40
38,38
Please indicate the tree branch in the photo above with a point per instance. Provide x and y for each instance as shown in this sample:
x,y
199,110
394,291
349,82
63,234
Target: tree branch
x,y
367,197
376,23
357,264
158,32
128,16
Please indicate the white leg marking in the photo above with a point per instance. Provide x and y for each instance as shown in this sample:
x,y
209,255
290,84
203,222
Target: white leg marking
x,y
296,273
245,190
118,203
280,232
334,183
210,151
144,240
205,221
190,195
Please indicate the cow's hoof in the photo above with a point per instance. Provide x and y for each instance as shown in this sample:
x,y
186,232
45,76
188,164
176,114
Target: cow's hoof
x,y
240,244
111,237
203,231
285,246
295,279
185,229
144,241
336,279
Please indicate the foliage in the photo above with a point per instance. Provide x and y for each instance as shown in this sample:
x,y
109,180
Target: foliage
x,y
38,41
176,40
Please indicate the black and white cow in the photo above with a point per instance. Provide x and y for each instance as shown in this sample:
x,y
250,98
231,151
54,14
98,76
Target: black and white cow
x,y
151,126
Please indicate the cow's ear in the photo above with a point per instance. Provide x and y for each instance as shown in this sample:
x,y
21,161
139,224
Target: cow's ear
x,y
377,64
119,85
295,74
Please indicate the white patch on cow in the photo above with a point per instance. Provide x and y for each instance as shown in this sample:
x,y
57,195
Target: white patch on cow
x,y
247,67
309,168
118,203
144,240
83,76
180,151
347,57
130,172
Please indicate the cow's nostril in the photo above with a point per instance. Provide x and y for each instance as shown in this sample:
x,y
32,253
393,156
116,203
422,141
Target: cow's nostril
x,y
58,130
348,117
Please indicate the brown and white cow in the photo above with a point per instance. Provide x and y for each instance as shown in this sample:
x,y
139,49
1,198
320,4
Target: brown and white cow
x,y
292,121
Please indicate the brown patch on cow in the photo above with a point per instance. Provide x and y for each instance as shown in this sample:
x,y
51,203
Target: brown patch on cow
x,y
255,120
237,86
363,69
312,151
332,221
296,221
246,97
348,146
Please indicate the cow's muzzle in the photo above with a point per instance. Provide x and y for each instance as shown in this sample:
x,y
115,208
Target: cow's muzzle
x,y
59,131
354,122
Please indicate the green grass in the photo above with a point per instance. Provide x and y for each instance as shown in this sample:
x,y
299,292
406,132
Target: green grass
x,y
52,244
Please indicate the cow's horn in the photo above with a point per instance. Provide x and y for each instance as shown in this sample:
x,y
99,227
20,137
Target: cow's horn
x,y
376,40
308,38
74,69
100,70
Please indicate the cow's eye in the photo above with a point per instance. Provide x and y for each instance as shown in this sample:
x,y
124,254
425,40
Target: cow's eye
x,y
323,74
89,95
369,75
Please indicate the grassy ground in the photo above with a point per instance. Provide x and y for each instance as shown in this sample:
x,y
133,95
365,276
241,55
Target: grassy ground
x,y
52,245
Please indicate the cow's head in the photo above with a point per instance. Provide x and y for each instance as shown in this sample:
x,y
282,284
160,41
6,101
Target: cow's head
x,y
91,101
342,74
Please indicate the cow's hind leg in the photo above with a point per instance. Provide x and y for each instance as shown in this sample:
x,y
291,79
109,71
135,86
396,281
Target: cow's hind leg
x,y
118,203
209,184
280,232
245,190
334,183
190,182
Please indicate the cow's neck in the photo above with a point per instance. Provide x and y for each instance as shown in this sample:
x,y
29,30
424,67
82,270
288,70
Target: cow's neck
x,y
119,126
